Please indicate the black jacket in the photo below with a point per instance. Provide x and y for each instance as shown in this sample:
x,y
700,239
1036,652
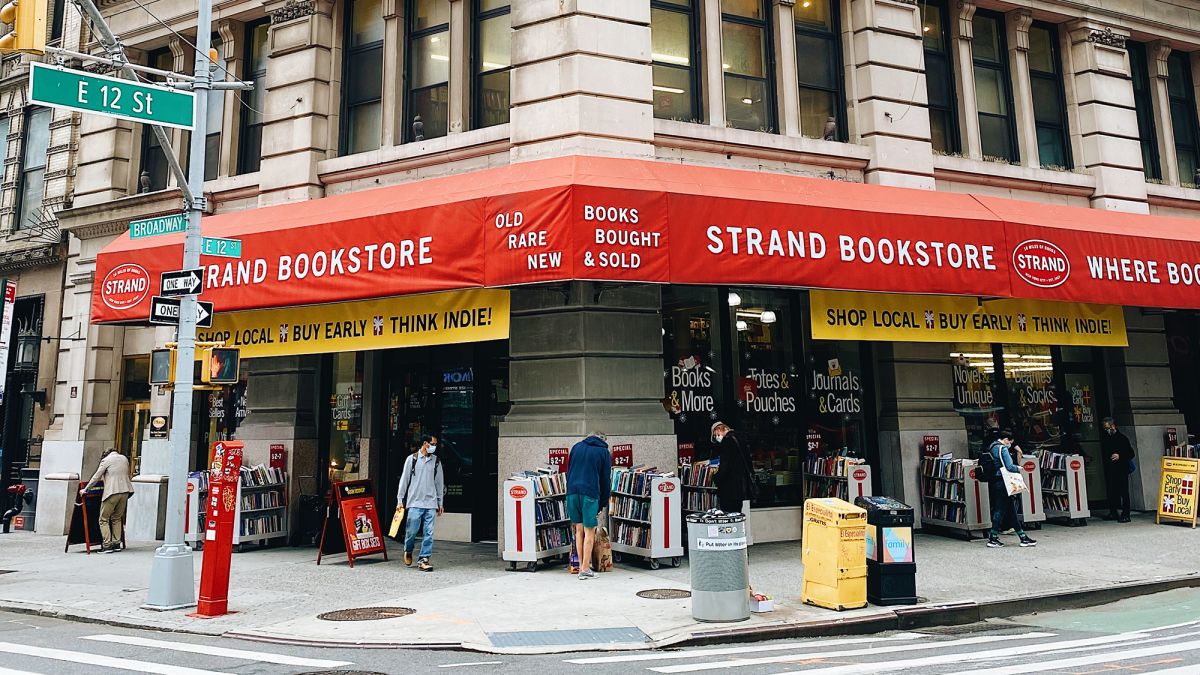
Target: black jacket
x,y
1115,444
733,476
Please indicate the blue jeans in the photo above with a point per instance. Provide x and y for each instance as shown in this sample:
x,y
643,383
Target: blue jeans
x,y
420,519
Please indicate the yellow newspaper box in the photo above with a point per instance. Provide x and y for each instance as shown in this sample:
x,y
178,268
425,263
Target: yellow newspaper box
x,y
834,554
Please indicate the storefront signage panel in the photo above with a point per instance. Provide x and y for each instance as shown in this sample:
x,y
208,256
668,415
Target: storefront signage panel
x,y
410,321
1177,493
934,318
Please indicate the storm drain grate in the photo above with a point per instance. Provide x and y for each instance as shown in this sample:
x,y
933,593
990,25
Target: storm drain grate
x,y
365,614
560,638
664,594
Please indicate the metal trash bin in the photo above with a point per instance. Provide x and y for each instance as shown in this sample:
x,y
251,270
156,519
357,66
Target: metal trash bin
x,y
891,571
719,567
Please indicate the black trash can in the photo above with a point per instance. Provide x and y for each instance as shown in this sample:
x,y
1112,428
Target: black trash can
x,y
891,567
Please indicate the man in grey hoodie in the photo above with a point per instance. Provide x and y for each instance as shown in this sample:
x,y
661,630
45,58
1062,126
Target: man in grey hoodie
x,y
422,489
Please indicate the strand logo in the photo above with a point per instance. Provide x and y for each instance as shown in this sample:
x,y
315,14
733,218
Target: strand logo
x,y
1040,263
125,287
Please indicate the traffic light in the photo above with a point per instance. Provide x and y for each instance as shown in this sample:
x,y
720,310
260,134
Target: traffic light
x,y
28,21
219,365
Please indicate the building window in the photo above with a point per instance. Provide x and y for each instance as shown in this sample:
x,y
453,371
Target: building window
x,y
250,135
1147,131
1183,115
215,119
33,167
819,63
155,170
675,53
993,88
1049,103
939,79
746,62
493,61
56,20
362,91
428,69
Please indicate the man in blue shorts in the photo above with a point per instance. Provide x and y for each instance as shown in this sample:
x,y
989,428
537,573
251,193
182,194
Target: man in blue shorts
x,y
588,469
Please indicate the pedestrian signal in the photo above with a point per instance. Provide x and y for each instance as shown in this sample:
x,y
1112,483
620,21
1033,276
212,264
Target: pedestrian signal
x,y
220,365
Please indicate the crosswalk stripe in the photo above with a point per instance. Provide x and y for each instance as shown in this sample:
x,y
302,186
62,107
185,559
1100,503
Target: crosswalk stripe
x,y
944,659
714,665
1186,670
192,648
1092,659
747,649
6,671
100,660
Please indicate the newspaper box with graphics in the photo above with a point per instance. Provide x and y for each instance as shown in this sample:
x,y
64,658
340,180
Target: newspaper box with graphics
x,y
891,569
834,555
1177,495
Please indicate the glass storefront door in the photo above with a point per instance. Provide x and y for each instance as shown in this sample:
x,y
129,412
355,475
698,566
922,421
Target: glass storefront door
x,y
132,419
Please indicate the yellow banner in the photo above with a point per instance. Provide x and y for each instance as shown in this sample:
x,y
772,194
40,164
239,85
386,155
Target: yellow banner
x,y
1177,494
407,321
838,315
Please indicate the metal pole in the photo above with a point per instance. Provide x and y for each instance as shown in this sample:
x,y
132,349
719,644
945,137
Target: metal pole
x,y
172,578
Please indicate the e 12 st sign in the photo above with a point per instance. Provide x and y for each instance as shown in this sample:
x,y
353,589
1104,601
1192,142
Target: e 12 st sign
x,y
123,99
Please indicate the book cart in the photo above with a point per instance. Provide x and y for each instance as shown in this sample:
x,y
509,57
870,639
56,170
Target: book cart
x,y
1064,487
261,514
952,497
536,527
1033,510
698,483
644,516
836,475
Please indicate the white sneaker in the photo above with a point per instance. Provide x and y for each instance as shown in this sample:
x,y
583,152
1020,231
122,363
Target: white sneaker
x,y
587,574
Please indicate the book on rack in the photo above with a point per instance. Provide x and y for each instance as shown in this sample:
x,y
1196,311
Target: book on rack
x,y
256,501
945,467
1183,451
546,483
550,510
634,480
552,537
201,478
261,476
259,525
699,474
631,534
1053,461
947,511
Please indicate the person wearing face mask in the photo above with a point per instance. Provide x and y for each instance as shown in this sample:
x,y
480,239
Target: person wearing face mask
x,y
422,489
733,476
1117,452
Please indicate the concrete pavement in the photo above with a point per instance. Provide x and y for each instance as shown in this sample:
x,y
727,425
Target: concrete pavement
x,y
471,601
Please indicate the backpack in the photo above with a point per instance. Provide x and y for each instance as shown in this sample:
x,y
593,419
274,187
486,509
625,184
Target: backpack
x,y
412,472
988,467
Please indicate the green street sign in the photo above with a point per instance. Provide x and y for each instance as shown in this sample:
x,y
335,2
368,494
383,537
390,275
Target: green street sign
x,y
222,248
123,99
151,227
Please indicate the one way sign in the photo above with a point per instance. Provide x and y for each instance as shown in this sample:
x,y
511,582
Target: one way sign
x,y
182,282
166,311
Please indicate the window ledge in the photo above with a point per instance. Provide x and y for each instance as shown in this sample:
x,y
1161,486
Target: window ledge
x,y
1173,196
1011,176
231,183
413,155
727,140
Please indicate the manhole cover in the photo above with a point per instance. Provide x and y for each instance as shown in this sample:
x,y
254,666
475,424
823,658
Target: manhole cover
x,y
364,614
664,594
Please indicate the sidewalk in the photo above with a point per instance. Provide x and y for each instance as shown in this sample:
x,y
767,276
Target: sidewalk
x,y
470,601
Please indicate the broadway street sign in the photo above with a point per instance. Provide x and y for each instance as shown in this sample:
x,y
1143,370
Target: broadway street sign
x,y
151,227
166,311
123,99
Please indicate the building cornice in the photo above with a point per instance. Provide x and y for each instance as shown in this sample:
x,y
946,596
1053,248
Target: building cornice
x,y
112,217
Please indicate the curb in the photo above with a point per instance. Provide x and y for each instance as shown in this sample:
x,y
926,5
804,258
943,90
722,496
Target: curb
x,y
898,619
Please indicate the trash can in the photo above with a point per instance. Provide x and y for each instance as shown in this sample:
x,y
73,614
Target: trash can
x,y
891,572
834,554
720,574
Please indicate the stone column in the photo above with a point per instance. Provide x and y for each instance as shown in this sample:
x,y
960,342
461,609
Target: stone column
x,y
916,393
461,79
1157,53
1104,106
585,356
235,51
394,126
1142,397
581,79
710,62
787,73
891,116
963,32
182,58
1017,23
299,126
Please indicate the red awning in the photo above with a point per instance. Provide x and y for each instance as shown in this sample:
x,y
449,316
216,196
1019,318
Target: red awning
x,y
633,220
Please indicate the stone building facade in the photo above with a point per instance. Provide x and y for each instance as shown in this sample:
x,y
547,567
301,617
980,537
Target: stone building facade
x,y
1047,102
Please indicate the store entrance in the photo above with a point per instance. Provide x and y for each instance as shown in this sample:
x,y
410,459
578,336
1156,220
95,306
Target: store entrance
x,y
458,393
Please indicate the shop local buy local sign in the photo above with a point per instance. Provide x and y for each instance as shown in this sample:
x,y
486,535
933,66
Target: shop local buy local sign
x,y
408,321
940,318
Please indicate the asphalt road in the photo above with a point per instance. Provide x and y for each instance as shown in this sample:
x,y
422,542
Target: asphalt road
x,y
1152,634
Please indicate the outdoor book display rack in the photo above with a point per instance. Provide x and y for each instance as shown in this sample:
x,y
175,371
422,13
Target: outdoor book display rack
x,y
262,507
645,515
1033,509
1064,487
536,527
836,475
952,497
